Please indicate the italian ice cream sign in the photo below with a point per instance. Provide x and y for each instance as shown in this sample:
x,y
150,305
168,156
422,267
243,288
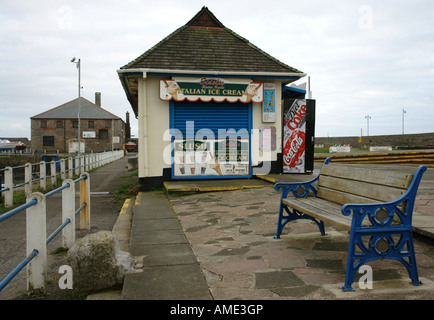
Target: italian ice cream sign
x,y
207,89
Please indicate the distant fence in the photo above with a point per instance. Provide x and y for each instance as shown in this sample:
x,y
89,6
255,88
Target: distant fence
x,y
36,213
26,176
418,140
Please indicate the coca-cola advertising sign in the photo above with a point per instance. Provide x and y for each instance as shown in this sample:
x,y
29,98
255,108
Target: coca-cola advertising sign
x,y
294,137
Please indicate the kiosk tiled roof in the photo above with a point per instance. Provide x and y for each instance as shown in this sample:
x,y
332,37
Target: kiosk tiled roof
x,y
205,44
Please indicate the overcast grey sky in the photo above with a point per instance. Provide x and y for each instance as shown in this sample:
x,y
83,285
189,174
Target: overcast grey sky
x,y
364,57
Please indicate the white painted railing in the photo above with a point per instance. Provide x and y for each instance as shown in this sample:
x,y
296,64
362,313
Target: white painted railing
x,y
36,212
36,229
65,168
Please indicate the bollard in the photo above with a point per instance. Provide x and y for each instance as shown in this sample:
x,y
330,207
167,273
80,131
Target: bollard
x,y
36,240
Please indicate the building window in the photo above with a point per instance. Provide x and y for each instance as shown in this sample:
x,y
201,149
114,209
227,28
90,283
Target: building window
x,y
59,124
108,124
103,134
91,124
48,141
43,124
75,124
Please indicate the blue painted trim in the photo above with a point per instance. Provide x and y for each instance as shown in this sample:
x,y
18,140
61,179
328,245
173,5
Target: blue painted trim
x,y
286,88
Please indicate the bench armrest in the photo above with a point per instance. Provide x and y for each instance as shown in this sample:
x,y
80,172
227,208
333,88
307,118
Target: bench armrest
x,y
299,189
399,211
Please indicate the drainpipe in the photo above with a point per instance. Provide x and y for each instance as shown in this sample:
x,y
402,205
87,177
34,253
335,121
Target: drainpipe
x,y
143,128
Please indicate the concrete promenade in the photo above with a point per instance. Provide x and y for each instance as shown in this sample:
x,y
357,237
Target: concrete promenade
x,y
219,245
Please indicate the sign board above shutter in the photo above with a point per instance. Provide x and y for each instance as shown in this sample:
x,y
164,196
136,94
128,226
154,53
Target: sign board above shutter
x,y
207,89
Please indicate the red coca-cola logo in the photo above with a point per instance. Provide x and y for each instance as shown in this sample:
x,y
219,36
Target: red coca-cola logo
x,y
296,118
294,148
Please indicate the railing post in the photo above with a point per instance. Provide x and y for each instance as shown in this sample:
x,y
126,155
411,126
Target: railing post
x,y
9,184
83,164
53,172
62,169
77,165
36,240
93,161
43,175
70,168
85,198
28,179
68,212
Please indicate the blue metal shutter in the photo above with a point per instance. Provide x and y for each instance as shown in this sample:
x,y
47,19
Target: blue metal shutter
x,y
213,116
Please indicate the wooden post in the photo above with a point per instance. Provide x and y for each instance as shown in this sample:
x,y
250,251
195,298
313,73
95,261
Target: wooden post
x,y
85,198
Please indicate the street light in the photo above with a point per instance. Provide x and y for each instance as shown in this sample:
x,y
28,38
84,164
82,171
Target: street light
x,y
368,117
403,112
78,63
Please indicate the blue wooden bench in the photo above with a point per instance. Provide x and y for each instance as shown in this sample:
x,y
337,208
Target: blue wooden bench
x,y
374,206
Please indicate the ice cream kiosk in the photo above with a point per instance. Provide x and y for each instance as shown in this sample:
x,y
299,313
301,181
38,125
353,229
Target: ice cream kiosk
x,y
211,105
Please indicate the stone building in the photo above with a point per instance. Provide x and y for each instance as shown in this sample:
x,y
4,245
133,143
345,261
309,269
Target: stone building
x,y
56,130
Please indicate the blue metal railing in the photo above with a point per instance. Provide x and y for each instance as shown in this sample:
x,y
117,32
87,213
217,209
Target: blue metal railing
x,y
35,252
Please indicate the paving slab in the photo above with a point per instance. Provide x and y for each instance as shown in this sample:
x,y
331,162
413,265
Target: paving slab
x,y
166,254
166,267
178,282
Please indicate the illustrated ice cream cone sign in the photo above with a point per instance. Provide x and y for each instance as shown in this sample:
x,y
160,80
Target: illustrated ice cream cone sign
x,y
172,89
207,89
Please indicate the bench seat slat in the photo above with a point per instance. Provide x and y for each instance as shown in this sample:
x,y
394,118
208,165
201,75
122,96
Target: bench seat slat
x,y
342,197
379,193
321,210
381,177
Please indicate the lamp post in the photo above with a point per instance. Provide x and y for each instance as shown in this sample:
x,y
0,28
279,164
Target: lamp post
x,y
368,117
403,112
78,63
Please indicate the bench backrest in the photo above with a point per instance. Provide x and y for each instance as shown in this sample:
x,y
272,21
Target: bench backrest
x,y
346,184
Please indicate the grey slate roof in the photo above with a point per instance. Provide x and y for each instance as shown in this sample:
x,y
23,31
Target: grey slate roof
x,y
205,44
69,110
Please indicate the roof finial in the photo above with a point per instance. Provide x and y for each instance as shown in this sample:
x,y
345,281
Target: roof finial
x,y
205,19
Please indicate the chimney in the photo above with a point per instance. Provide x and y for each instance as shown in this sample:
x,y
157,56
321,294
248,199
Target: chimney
x,y
98,99
127,126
